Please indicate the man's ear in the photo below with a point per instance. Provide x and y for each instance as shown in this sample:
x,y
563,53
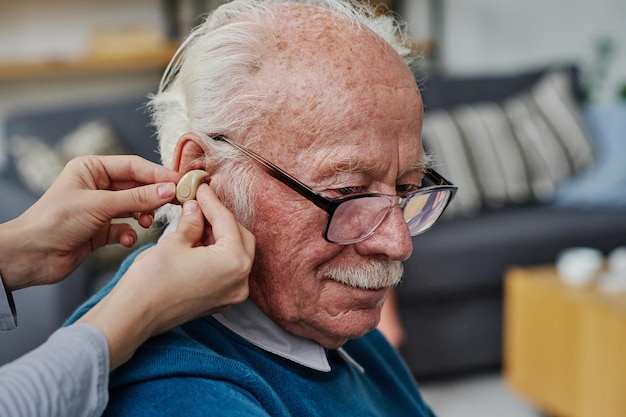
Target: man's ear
x,y
190,153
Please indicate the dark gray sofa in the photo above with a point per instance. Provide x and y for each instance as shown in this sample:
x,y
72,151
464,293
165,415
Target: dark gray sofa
x,y
451,297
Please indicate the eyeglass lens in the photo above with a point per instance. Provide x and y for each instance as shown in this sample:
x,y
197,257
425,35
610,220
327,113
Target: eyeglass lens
x,y
423,210
356,219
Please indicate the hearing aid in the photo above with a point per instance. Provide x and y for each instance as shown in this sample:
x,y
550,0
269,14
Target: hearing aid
x,y
188,185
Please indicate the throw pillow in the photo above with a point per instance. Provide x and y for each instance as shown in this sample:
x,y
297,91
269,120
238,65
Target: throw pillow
x,y
36,163
510,152
604,185
39,164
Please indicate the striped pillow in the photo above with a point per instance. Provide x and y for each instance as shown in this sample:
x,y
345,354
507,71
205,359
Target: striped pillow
x,y
511,152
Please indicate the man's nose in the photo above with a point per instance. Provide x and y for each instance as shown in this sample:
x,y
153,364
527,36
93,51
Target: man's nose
x,y
391,239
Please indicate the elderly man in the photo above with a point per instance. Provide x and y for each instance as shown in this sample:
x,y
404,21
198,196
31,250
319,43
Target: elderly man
x,y
308,120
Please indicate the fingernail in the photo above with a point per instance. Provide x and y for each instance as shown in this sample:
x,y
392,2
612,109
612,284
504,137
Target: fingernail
x,y
190,207
128,241
166,190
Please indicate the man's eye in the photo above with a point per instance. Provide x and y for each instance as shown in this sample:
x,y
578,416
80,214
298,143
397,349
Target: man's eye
x,y
404,189
350,190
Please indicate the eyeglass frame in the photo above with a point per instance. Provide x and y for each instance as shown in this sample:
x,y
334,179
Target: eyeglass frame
x,y
329,205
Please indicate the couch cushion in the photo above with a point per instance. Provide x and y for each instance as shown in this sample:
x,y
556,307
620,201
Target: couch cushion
x,y
15,200
39,164
440,91
604,185
510,151
461,257
127,118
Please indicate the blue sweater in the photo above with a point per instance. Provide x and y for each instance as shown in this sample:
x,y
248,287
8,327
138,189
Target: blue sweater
x,y
204,369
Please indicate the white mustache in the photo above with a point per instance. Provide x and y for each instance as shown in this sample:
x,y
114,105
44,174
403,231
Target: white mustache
x,y
372,276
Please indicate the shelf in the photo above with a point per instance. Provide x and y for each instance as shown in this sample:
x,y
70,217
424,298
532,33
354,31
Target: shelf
x,y
153,59
127,61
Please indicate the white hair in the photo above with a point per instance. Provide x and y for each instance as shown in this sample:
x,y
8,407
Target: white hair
x,y
209,85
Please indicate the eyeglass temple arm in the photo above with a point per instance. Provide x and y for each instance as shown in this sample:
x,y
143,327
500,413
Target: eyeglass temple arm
x,y
282,176
436,177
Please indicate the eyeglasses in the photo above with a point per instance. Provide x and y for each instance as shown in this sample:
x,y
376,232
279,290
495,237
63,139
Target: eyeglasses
x,y
354,218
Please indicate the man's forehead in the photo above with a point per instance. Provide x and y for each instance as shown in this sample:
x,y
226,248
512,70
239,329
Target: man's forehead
x,y
361,159
298,23
306,35
332,84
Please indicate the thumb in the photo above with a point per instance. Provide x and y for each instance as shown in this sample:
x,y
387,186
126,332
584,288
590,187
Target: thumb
x,y
191,223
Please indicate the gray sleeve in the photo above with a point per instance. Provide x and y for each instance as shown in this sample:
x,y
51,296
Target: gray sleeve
x,y
67,376
8,318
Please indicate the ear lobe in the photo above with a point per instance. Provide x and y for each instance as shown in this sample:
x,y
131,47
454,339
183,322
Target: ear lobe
x,y
190,153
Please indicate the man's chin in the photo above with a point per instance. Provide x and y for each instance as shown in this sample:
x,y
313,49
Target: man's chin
x,y
357,310
362,323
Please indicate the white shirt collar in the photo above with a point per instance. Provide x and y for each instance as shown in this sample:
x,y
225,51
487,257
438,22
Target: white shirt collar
x,y
249,322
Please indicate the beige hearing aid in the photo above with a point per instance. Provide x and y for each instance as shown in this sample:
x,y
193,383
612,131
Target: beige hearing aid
x,y
188,185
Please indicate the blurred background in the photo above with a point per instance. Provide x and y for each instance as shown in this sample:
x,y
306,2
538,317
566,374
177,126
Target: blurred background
x,y
63,51
474,36
74,75
488,36
70,50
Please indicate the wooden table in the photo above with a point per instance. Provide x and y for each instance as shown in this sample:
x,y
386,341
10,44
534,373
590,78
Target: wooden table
x,y
564,348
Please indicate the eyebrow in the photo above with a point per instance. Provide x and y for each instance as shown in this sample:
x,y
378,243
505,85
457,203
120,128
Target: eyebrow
x,y
341,167
423,164
333,162
354,165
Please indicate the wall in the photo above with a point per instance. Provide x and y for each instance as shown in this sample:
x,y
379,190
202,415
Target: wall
x,y
477,35
58,28
64,29
487,36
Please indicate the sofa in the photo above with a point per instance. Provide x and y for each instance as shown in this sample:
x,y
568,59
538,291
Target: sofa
x,y
451,297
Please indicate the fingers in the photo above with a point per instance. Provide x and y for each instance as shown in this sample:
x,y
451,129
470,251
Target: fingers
x,y
116,186
140,199
130,170
127,238
144,218
122,233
